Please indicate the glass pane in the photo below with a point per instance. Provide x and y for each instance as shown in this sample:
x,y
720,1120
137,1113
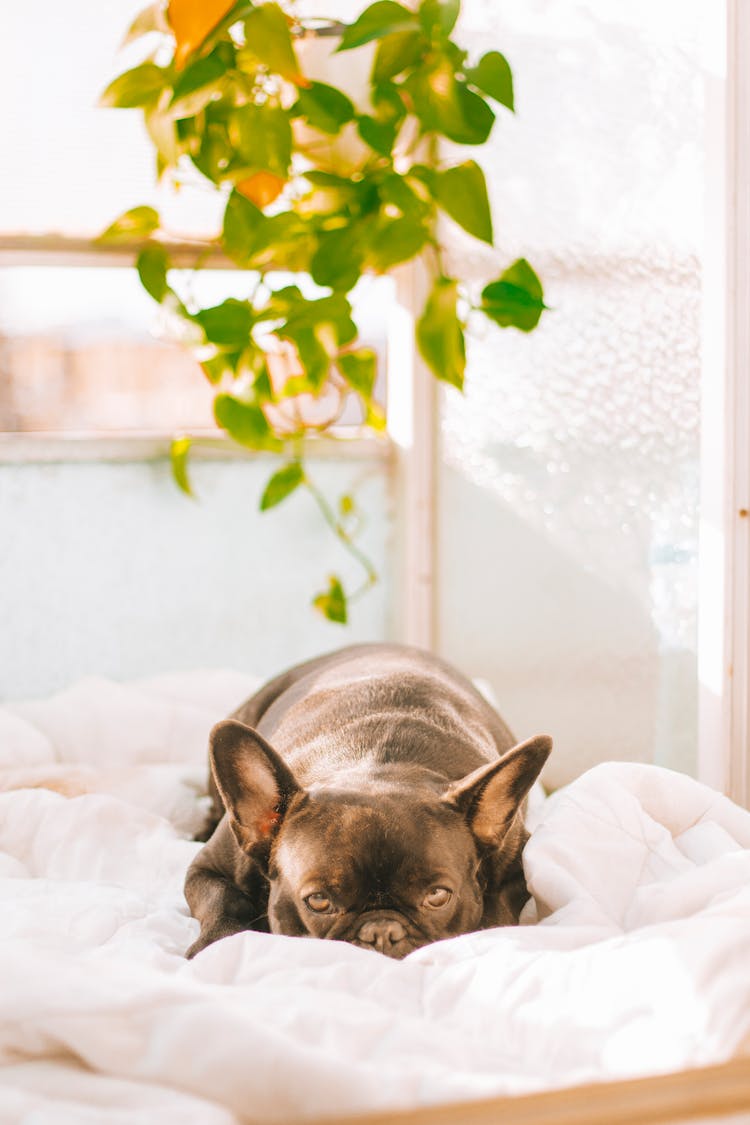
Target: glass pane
x,y
85,350
108,570
76,354
570,482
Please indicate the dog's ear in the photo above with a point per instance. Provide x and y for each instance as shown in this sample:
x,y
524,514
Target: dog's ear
x,y
255,784
491,796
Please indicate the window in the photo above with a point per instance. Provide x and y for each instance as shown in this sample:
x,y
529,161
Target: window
x,y
571,469
82,347
110,570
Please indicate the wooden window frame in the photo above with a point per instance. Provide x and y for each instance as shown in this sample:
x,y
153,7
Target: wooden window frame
x,y
707,1094
724,598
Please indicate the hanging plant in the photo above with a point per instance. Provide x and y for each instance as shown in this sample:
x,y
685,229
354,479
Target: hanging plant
x,y
324,185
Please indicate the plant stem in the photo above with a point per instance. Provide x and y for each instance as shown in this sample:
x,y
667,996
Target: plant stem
x,y
342,535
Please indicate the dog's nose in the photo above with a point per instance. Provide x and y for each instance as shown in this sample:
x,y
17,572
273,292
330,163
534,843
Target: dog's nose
x,y
381,933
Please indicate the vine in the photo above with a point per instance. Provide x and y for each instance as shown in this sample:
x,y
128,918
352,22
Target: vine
x,y
313,184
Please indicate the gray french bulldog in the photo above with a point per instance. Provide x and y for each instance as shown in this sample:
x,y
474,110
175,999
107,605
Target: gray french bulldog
x,y
371,796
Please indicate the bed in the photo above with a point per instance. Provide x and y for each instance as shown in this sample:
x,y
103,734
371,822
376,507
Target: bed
x,y
633,960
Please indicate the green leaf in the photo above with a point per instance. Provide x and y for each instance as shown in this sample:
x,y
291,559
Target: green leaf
x,y
396,240
388,103
228,324
285,301
313,356
198,85
152,264
439,16
423,173
478,118
216,367
263,138
324,107
328,179
243,231
338,260
395,189
462,192
376,21
397,52
137,87
440,336
332,604
282,484
267,36
178,455
262,388
245,422
215,153
516,299
334,311
447,106
133,225
285,243
493,76
162,131
375,418
379,135
360,370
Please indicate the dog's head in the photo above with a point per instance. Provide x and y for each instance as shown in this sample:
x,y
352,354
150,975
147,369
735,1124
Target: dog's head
x,y
386,858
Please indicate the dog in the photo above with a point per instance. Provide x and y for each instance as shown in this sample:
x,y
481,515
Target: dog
x,y
370,796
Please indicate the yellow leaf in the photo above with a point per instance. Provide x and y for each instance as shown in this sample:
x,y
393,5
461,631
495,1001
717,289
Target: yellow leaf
x,y
191,21
261,188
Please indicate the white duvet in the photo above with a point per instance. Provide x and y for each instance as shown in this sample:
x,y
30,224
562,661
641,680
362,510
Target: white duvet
x,y
638,961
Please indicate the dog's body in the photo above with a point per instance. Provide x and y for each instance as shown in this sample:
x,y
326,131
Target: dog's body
x,y
371,796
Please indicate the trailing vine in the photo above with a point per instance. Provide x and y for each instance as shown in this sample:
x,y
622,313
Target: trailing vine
x,y
313,184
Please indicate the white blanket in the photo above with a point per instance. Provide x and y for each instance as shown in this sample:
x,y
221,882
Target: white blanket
x,y
639,961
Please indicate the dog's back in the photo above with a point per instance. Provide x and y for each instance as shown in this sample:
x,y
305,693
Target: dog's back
x,y
373,704
380,703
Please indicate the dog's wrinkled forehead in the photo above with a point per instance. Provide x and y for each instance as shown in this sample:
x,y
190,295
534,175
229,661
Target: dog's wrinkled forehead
x,y
360,836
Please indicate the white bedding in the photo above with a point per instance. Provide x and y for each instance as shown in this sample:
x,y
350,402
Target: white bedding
x,y
639,963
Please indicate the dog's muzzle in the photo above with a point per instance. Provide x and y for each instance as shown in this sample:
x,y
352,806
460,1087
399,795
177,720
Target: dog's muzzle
x,y
385,933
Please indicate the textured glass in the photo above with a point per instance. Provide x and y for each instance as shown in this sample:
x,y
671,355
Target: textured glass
x,y
569,489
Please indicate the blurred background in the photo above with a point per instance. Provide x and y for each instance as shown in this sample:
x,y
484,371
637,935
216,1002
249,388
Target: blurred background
x,y
566,484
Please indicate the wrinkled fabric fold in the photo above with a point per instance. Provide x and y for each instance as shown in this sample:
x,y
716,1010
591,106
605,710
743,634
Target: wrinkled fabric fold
x,y
634,957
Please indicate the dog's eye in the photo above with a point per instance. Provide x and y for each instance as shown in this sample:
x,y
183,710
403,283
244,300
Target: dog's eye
x,y
438,896
319,902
